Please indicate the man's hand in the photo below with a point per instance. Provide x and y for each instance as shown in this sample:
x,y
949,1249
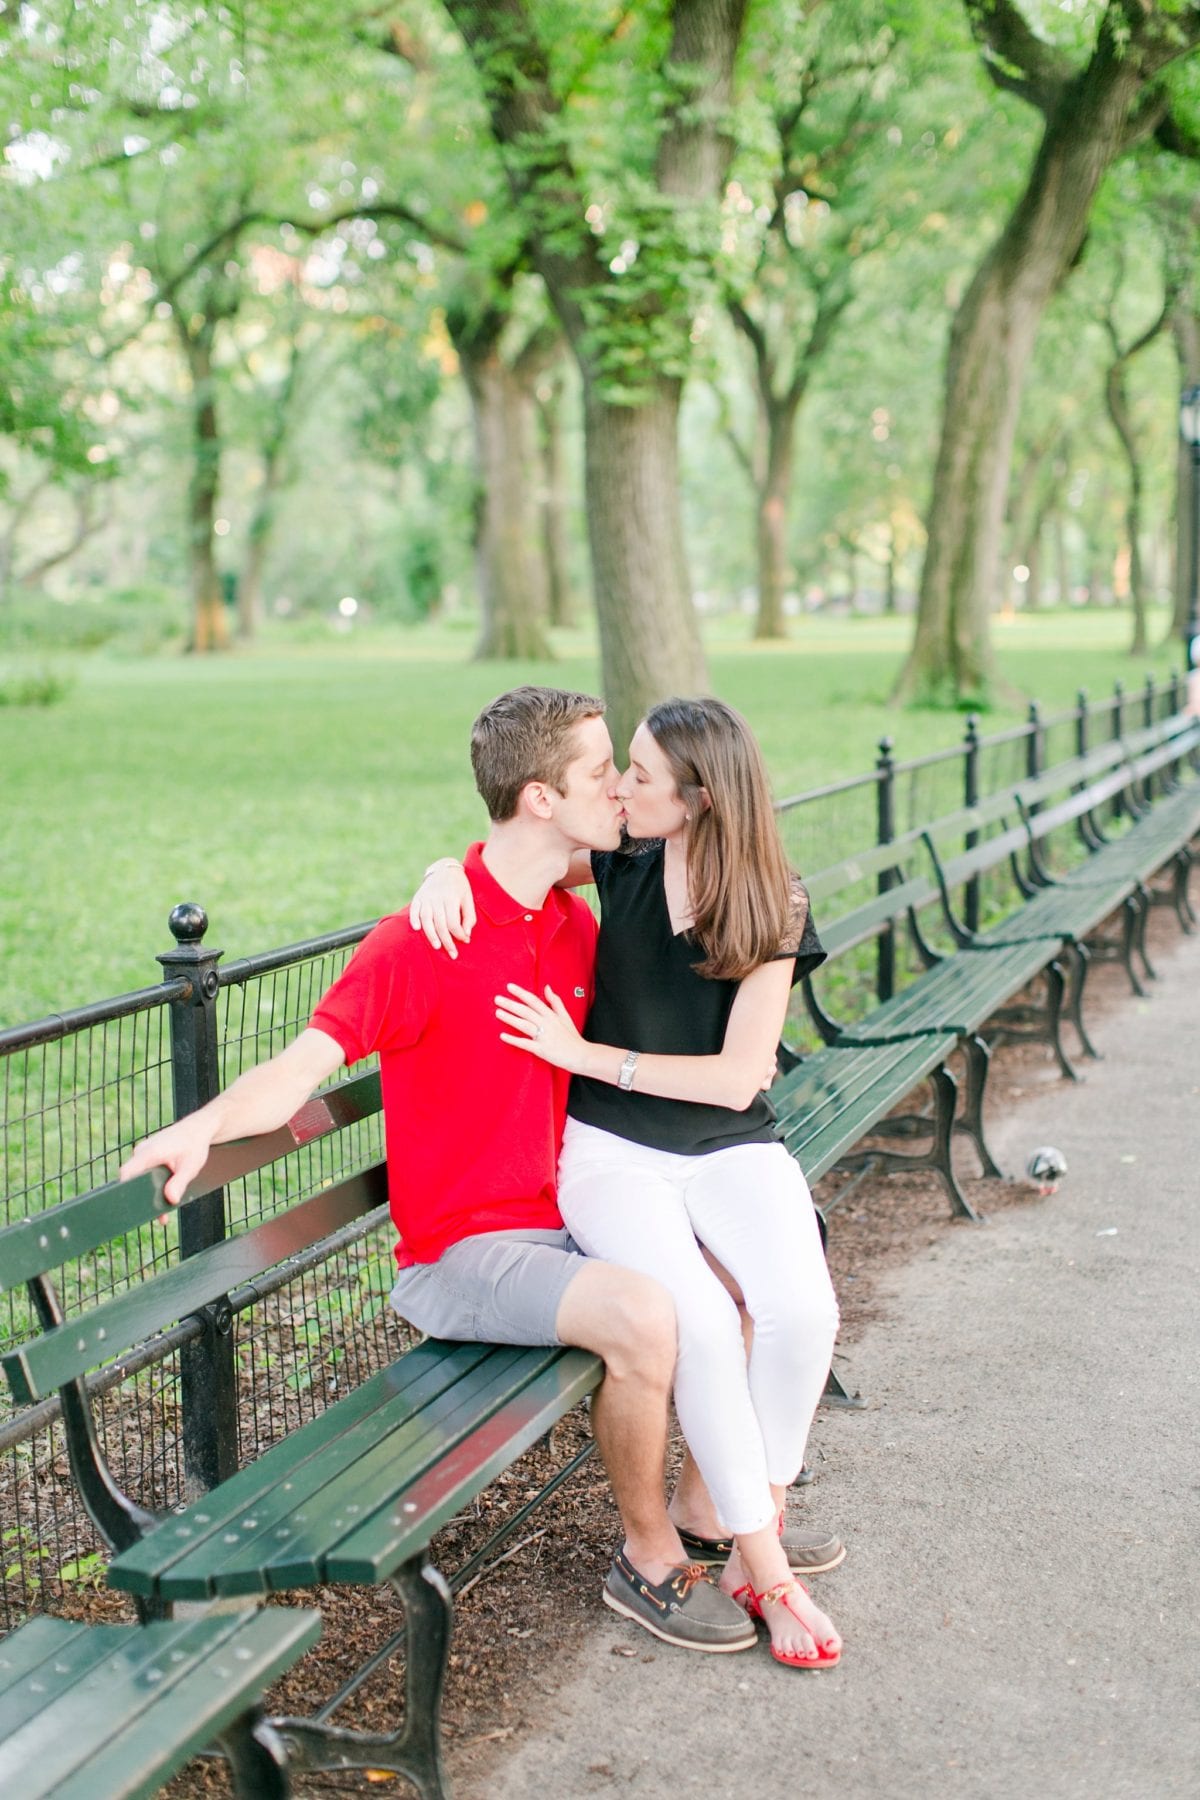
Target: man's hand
x,y
183,1148
262,1099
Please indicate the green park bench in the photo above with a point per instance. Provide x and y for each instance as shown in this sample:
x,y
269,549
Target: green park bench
x,y
1072,900
110,1712
352,1497
827,1101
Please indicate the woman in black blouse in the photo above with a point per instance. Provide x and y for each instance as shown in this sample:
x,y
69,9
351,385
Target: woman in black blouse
x,y
670,1150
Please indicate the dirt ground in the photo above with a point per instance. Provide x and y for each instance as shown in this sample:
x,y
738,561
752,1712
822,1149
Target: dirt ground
x,y
534,1602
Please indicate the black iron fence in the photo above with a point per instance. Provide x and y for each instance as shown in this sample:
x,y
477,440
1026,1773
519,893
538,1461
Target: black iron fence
x,y
78,1089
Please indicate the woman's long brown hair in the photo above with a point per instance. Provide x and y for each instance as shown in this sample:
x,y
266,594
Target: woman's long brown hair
x,y
739,883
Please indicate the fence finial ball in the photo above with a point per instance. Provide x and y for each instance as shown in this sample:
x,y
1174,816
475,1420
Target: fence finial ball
x,y
188,922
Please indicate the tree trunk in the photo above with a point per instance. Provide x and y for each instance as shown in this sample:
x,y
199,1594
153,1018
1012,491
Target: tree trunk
x,y
249,596
649,635
774,561
1033,562
991,342
249,604
560,599
649,641
21,507
210,624
891,571
1062,566
1185,334
1117,400
510,570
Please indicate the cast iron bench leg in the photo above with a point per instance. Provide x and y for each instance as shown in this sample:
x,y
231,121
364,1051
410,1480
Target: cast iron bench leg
x,y
936,1157
257,1760
1143,900
945,1095
415,1751
1079,968
1183,900
1129,933
971,1124
1055,986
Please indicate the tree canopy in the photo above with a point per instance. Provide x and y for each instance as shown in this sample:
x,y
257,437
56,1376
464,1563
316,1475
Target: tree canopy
x,y
517,305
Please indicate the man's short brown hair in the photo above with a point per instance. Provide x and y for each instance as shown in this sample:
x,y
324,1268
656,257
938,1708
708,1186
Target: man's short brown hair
x,y
526,735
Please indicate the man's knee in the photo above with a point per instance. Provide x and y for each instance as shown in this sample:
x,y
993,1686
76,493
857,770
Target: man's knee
x,y
628,1319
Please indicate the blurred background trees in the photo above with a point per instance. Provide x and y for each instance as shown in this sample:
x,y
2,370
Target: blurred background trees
x,y
532,312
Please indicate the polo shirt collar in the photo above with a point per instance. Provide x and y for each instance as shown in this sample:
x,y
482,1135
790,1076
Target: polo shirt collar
x,y
499,905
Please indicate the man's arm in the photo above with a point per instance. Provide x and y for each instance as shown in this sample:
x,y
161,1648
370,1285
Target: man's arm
x,y
261,1100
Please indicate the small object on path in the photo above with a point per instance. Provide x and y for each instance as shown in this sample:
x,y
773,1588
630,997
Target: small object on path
x,y
1046,1166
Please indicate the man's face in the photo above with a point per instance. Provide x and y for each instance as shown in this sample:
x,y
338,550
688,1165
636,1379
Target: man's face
x,y
588,812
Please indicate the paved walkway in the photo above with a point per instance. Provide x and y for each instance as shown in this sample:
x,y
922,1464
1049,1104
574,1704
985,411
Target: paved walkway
x,y
1021,1602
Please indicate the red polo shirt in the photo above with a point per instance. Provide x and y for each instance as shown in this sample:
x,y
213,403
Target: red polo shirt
x,y
473,1126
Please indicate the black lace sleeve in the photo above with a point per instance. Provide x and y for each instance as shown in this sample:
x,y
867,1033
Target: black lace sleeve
x,y
800,937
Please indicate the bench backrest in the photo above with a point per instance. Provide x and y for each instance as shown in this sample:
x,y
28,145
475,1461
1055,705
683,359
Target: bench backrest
x,y
929,863
32,1249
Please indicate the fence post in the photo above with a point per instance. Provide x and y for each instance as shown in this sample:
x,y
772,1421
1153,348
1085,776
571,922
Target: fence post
x,y
970,797
208,1386
1033,743
885,830
1148,720
1081,722
1117,730
1176,703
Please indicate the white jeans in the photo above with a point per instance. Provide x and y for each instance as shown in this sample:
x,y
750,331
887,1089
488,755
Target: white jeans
x,y
651,1210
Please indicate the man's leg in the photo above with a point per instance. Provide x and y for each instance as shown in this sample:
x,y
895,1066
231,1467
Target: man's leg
x,y
629,1321
504,1288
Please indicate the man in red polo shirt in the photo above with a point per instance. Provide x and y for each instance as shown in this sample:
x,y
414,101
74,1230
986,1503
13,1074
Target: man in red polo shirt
x,y
474,1128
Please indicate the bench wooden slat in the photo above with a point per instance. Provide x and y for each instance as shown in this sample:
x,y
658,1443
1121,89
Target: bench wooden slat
x,y
957,995
39,1367
868,920
184,1549
115,1710
44,1241
982,857
849,1090
1066,914
355,1484
294,1553
378,1547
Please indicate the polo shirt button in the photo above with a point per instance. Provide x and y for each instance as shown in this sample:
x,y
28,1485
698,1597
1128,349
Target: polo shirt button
x,y
529,918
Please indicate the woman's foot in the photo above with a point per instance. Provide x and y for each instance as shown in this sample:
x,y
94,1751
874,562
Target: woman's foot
x,y
801,1634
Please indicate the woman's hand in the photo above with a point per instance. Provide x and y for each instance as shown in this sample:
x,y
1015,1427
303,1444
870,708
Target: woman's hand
x,y
443,907
543,1026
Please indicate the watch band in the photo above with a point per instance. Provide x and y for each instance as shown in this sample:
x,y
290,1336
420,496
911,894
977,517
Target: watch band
x,y
626,1072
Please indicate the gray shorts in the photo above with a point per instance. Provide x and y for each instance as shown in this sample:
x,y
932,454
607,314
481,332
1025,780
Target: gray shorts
x,y
501,1287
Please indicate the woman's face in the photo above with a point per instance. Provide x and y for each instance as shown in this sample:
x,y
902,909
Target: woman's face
x,y
653,808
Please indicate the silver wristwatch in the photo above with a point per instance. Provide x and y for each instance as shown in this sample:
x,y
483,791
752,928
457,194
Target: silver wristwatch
x,y
626,1072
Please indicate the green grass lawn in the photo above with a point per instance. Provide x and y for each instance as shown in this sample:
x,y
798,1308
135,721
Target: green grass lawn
x,y
292,790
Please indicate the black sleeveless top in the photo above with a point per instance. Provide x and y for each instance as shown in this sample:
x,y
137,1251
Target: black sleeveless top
x,y
650,998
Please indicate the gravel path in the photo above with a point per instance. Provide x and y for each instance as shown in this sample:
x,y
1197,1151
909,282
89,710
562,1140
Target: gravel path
x,y
1022,1595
